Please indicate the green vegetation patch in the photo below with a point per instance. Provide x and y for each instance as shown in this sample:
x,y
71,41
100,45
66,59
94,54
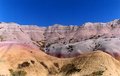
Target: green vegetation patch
x,y
69,69
17,73
98,73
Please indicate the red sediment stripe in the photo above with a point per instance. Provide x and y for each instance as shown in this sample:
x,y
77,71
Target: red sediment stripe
x,y
26,45
116,54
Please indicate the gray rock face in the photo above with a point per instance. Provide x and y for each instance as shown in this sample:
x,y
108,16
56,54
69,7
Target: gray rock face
x,y
66,41
69,41
109,45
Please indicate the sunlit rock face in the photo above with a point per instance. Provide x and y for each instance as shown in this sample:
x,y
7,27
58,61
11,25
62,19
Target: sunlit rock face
x,y
27,34
66,41
69,41
13,31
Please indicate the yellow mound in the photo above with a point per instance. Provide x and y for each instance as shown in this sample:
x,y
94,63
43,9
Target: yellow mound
x,y
19,60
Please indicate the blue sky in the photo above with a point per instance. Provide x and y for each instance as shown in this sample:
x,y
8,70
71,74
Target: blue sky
x,y
66,12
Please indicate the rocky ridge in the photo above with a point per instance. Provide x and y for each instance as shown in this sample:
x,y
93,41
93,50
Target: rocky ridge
x,y
88,50
66,41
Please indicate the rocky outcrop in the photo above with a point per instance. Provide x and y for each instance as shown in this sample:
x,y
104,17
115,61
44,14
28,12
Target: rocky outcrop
x,y
69,41
21,33
94,48
59,33
66,41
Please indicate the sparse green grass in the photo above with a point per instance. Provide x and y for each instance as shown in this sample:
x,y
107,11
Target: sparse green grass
x,y
69,69
98,73
17,73
1,38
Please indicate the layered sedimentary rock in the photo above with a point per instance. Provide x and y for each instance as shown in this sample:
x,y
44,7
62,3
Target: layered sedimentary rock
x,y
93,47
27,34
66,41
69,41
17,59
13,31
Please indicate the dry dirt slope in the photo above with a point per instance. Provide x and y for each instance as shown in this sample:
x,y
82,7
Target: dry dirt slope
x,y
22,60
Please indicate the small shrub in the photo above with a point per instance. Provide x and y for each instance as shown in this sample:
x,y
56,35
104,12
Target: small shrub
x,y
99,73
69,69
70,48
24,64
1,38
96,73
17,73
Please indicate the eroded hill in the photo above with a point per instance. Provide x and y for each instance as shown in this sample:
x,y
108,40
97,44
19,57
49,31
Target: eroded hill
x,y
66,41
17,59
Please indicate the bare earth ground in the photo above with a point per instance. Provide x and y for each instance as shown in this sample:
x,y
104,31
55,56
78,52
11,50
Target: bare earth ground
x,y
22,60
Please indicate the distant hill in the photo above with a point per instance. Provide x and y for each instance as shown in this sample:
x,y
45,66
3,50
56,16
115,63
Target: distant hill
x,y
66,41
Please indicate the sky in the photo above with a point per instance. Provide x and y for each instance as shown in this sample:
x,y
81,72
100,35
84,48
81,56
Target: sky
x,y
65,12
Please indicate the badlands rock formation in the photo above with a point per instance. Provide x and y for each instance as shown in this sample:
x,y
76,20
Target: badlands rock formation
x,y
32,35
18,59
66,41
25,50
69,41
